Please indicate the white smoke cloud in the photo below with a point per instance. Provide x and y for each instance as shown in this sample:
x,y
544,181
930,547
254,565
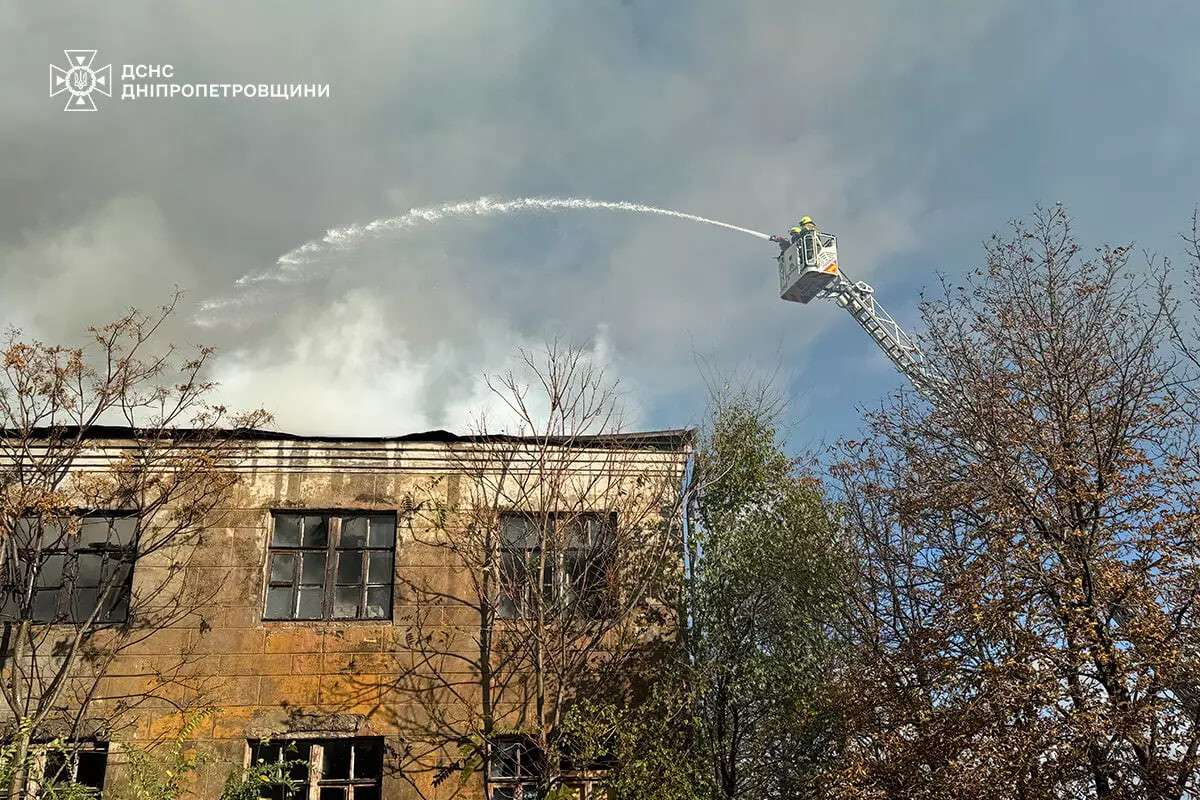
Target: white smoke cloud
x,y
345,372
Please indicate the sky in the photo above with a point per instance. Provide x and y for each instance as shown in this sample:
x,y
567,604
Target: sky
x,y
912,130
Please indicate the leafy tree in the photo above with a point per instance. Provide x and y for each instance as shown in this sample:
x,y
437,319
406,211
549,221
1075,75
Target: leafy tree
x,y
761,596
738,707
1025,609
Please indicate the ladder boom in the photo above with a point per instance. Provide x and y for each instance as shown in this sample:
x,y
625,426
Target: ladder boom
x,y
859,299
808,270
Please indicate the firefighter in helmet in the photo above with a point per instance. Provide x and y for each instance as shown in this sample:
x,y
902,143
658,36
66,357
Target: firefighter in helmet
x,y
796,234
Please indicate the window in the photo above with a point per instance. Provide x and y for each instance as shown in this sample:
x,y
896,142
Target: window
x,y
810,255
516,766
574,572
330,566
328,769
75,563
82,763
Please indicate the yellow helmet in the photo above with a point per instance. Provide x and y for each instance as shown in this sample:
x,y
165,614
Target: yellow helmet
x,y
806,220
796,230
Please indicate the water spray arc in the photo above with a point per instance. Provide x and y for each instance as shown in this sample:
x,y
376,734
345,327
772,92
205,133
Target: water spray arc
x,y
808,268
350,235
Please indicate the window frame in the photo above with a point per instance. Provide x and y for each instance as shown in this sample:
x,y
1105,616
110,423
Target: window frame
x,y
513,787
41,762
314,751
332,552
68,547
558,579
808,239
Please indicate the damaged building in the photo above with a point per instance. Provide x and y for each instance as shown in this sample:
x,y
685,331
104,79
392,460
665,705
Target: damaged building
x,y
392,617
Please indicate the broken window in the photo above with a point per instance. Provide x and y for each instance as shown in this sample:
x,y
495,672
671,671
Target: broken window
x,y
328,769
517,767
64,569
557,559
330,566
78,763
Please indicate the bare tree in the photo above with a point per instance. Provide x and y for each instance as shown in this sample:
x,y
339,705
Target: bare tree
x,y
1026,616
85,508
561,534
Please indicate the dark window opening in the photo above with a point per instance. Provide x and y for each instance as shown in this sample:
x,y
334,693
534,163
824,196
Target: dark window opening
x,y
515,768
65,568
330,566
556,560
81,763
335,769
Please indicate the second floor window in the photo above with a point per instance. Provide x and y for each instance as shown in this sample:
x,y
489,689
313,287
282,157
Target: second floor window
x,y
330,566
65,568
563,561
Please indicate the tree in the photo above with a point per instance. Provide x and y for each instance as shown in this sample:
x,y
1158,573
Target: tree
x,y
762,596
561,533
80,517
1025,604
738,703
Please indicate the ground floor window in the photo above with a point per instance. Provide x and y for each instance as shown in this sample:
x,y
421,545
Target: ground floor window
x,y
80,763
516,766
325,769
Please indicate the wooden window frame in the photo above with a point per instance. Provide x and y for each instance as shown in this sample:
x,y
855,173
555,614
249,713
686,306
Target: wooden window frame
x,y
512,787
332,551
555,581
315,756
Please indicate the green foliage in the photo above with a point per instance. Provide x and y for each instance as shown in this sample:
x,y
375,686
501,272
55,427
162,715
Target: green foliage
x,y
249,783
738,709
470,762
11,760
164,772
161,772
763,594
646,744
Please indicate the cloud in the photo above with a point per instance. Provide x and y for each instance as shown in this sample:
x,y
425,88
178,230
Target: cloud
x,y
911,132
63,279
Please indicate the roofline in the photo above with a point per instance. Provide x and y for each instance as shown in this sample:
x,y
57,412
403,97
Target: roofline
x,y
667,439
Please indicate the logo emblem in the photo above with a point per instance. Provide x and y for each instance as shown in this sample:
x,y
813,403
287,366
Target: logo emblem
x,y
79,80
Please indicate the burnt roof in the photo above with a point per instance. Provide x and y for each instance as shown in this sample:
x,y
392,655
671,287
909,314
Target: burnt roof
x,y
668,439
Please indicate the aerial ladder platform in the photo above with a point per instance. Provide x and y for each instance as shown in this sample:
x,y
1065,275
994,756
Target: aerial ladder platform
x,y
809,270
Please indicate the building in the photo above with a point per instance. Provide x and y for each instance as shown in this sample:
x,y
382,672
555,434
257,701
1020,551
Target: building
x,y
336,600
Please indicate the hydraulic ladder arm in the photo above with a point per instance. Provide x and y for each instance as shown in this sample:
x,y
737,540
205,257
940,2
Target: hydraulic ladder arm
x,y
809,270
859,299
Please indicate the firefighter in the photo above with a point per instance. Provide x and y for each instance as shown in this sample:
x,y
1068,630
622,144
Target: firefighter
x,y
796,234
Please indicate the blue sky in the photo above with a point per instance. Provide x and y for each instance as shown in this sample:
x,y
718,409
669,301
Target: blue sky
x,y
913,130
